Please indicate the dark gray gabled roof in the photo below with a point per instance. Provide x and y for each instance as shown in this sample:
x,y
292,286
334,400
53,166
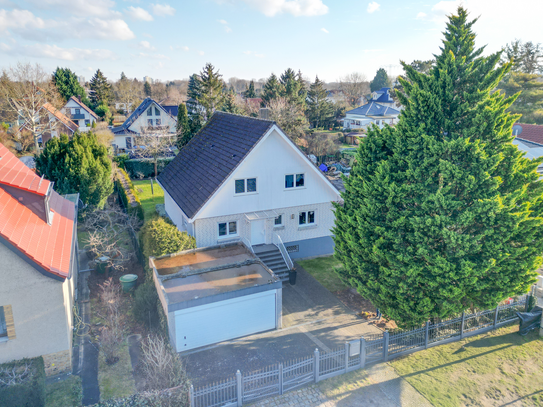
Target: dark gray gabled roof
x,y
124,128
205,163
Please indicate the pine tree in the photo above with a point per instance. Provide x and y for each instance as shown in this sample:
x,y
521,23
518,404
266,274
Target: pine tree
x,y
442,212
102,89
380,81
293,87
319,110
195,110
123,77
250,91
77,165
211,90
67,85
272,89
184,132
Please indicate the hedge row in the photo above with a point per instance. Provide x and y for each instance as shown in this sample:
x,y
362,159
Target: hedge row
x,y
29,393
145,168
123,194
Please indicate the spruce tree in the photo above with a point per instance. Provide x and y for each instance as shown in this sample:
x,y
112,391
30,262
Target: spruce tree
x,y
195,110
229,105
319,110
67,85
250,91
77,165
272,89
211,90
442,212
184,132
293,87
147,89
102,89
380,81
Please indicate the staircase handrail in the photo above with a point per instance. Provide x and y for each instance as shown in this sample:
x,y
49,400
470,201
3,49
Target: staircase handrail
x,y
279,243
246,242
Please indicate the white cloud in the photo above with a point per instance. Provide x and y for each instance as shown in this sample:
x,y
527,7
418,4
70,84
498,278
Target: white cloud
x,y
421,16
103,29
81,8
147,35
21,22
162,10
137,13
185,48
146,45
324,30
222,21
373,7
200,52
55,52
227,29
297,8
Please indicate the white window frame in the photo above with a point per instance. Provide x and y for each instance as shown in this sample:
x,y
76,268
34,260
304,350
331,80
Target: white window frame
x,y
294,181
3,324
228,234
307,224
245,186
280,225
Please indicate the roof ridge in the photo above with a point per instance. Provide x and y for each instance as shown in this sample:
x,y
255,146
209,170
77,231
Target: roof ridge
x,y
243,116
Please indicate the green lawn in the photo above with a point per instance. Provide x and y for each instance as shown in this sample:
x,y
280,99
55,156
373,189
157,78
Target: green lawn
x,y
496,368
82,237
67,393
322,268
147,198
116,381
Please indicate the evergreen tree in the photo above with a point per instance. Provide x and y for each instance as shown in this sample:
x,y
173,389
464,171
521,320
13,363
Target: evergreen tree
x,y
101,88
529,103
77,165
250,91
67,85
380,81
442,212
319,110
293,87
230,105
527,57
147,89
272,89
123,77
211,90
184,132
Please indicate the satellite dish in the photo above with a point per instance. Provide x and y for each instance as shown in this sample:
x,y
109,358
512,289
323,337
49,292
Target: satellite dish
x,y
517,130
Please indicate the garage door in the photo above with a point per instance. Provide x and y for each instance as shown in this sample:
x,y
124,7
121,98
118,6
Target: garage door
x,y
223,320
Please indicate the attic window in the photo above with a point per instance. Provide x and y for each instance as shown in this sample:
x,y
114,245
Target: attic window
x,y
150,111
157,112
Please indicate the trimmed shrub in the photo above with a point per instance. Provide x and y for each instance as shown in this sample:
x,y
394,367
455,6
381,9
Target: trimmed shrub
x,y
160,236
138,209
28,383
145,168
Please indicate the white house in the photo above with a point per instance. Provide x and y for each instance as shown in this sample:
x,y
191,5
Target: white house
x,y
79,113
148,115
379,111
242,178
529,138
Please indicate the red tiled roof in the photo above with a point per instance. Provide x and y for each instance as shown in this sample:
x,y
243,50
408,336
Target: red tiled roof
x,y
49,246
66,121
530,132
84,106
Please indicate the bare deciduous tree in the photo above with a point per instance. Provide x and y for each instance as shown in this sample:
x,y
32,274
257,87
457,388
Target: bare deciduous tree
x,y
112,334
156,142
19,374
25,89
353,86
129,93
321,144
289,116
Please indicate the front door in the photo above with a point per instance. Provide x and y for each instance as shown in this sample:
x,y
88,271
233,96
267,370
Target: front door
x,y
258,232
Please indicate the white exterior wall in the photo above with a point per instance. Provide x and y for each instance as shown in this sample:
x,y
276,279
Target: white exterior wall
x,y
120,141
165,120
41,306
69,109
176,214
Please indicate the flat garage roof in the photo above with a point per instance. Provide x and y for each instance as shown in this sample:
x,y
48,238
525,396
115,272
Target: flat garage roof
x,y
215,282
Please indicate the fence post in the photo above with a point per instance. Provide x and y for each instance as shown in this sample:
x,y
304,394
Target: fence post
x,y
426,335
240,388
462,326
280,378
316,364
346,356
362,353
385,346
496,315
191,395
527,305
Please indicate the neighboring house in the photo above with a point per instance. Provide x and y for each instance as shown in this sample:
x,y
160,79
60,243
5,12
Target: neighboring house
x,y
378,111
242,178
54,123
148,115
529,138
38,265
125,107
173,110
80,114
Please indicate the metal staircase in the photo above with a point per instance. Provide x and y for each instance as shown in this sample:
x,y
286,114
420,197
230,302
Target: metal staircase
x,y
272,257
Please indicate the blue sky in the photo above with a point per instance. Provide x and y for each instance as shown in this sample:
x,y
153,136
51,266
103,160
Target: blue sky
x,y
246,38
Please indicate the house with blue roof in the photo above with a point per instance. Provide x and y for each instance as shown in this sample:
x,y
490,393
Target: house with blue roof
x,y
149,116
379,111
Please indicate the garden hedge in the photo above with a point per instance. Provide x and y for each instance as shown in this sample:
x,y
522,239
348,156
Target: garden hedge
x,y
138,209
145,168
30,393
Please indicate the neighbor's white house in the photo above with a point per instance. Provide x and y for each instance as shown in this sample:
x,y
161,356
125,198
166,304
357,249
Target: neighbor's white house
x,y
148,115
242,178
378,111
80,114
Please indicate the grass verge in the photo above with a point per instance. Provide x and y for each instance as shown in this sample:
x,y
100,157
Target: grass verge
x,y
116,381
322,268
496,368
67,393
149,199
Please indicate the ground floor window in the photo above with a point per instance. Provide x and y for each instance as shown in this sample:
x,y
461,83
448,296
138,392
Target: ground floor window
x,y
228,229
278,221
306,218
3,327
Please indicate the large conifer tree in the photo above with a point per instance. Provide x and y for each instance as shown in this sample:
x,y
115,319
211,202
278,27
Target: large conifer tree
x,y
442,212
319,110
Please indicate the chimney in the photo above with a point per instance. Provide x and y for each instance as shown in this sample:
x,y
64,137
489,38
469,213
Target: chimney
x,y
79,97
264,113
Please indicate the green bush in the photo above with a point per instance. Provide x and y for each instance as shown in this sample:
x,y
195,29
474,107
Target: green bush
x,y
146,303
138,209
120,160
145,168
30,392
160,237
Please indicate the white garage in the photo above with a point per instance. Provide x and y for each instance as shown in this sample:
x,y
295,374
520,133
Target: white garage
x,y
216,294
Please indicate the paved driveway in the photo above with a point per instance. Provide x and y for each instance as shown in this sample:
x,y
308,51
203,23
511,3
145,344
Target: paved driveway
x,y
312,318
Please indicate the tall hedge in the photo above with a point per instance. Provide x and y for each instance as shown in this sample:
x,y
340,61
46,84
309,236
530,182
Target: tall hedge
x,y
29,393
160,237
123,194
145,168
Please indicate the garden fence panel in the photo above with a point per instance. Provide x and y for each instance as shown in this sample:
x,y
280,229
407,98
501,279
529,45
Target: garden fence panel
x,y
332,363
261,383
218,394
298,372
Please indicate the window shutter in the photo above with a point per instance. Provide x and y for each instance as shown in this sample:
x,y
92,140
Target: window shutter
x,y
8,315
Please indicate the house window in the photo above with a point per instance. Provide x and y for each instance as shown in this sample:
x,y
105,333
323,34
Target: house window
x,y
129,142
294,180
306,218
278,221
150,122
77,111
245,185
228,229
157,122
3,326
150,111
87,123
157,112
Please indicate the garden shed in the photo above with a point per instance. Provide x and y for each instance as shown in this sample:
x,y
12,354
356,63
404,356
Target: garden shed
x,y
214,294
